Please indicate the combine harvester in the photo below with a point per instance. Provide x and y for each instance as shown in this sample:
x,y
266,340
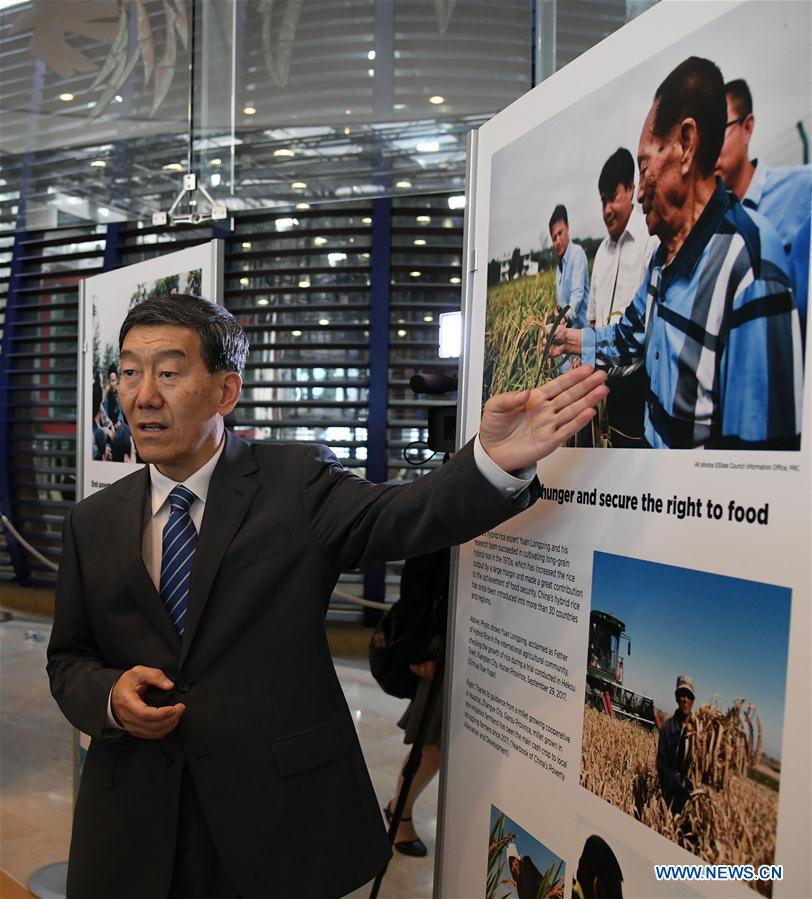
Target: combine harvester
x,y
604,673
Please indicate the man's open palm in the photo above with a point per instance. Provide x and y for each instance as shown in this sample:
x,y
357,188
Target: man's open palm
x,y
518,429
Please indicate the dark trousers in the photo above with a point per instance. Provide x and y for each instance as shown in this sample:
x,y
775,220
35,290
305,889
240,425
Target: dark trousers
x,y
198,871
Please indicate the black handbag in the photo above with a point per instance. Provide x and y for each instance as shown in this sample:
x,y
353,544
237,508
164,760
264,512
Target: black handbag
x,y
403,636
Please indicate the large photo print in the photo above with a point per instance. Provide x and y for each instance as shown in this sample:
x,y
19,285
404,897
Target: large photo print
x,y
684,731
660,229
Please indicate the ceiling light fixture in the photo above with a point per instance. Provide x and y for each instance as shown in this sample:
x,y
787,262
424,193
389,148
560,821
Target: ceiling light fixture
x,y
419,242
430,146
305,282
98,164
405,185
436,100
415,274
299,185
246,244
263,301
423,219
284,151
249,110
67,97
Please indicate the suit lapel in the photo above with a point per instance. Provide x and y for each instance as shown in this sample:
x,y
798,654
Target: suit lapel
x,y
133,497
230,494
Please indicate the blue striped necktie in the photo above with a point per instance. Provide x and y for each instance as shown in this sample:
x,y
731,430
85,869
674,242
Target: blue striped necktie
x,y
179,545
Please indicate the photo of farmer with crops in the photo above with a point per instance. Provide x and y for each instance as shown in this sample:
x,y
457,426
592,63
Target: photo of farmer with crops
x,y
713,324
707,775
534,872
674,748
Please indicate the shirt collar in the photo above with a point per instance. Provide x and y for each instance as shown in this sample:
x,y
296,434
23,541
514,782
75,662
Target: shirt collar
x,y
689,254
636,227
562,260
753,196
198,483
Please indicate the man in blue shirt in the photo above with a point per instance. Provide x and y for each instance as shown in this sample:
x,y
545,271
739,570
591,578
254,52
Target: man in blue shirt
x,y
571,272
782,195
715,320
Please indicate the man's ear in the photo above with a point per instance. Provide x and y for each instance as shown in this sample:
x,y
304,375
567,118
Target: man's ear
x,y
749,124
230,392
689,143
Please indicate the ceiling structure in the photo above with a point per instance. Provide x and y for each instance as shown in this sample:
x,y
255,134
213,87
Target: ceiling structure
x,y
104,104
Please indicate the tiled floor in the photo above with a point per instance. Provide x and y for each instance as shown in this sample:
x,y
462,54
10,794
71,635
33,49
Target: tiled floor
x,y
36,754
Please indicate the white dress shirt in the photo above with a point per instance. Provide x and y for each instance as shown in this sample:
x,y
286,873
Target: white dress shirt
x,y
160,488
619,269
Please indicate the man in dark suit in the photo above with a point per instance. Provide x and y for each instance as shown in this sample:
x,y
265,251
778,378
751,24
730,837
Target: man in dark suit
x,y
224,761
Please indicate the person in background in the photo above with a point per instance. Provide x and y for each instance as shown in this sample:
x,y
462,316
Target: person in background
x,y
571,271
782,195
111,401
674,748
598,875
620,267
622,259
423,588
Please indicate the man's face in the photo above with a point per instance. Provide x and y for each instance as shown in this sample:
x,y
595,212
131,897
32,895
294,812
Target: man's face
x,y
113,380
173,403
735,149
515,867
685,701
662,191
560,234
617,208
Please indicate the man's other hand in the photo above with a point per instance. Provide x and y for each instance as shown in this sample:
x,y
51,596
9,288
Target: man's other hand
x,y
133,714
518,429
567,341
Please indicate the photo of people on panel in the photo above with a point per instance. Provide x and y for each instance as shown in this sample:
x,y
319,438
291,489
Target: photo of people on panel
x,y
697,286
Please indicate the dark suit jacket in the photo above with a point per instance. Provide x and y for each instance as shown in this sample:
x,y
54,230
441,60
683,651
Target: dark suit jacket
x,y
266,735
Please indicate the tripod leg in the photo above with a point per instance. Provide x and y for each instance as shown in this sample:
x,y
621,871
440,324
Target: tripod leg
x,y
412,763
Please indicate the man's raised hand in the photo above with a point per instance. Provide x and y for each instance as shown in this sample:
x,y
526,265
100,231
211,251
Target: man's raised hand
x,y
133,714
518,429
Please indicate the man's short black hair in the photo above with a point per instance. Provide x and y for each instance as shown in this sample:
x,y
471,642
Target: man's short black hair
x,y
739,93
559,215
222,338
598,860
618,169
112,371
696,90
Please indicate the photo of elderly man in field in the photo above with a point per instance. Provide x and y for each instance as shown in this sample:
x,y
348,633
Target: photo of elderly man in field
x,y
715,321
706,774
674,748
